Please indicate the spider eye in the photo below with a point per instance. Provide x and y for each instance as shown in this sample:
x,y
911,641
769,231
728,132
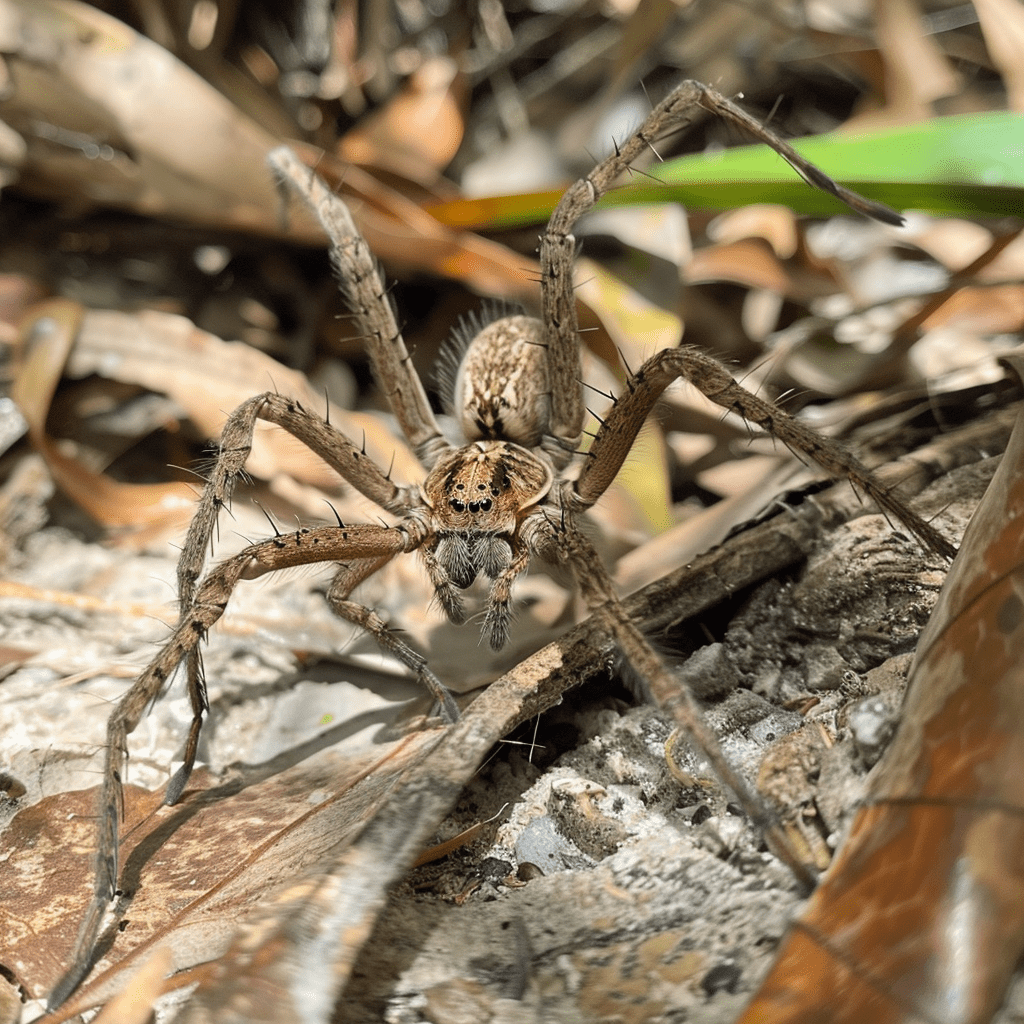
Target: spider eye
x,y
458,506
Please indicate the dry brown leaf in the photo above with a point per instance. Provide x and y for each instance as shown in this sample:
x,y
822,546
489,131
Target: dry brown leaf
x,y
1007,266
419,131
917,72
200,868
48,334
113,118
775,224
197,869
957,244
210,378
748,262
292,958
17,293
1002,24
177,148
995,310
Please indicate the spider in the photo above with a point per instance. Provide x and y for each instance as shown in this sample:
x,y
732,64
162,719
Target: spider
x,y
487,506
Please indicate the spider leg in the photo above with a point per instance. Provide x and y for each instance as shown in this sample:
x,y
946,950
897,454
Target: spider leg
x,y
233,451
183,642
235,444
366,546
360,283
622,423
558,246
562,539
349,576
499,601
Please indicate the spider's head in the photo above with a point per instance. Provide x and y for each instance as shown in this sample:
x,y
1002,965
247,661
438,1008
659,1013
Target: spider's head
x,y
479,495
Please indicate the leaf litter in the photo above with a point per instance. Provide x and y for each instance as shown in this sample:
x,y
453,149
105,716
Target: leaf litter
x,y
612,887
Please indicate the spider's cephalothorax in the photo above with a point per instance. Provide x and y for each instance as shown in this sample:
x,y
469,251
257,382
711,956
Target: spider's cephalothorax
x,y
478,492
490,500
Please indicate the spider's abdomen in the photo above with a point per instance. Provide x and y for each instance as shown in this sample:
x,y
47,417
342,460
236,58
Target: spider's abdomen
x,y
501,389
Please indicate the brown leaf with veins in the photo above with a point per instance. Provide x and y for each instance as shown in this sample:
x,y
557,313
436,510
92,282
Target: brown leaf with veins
x,y
196,870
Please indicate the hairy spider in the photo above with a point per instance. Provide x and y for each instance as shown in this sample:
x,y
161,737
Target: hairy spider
x,y
487,506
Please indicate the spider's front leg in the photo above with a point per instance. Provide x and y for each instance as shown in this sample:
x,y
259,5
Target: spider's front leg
x,y
558,245
623,422
349,576
361,548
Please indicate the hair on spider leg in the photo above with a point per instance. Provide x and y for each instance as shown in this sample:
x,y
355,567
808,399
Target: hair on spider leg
x,y
267,516
647,174
330,505
196,472
770,116
597,390
790,395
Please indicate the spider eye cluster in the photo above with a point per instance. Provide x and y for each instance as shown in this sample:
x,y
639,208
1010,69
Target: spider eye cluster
x,y
483,505
462,502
